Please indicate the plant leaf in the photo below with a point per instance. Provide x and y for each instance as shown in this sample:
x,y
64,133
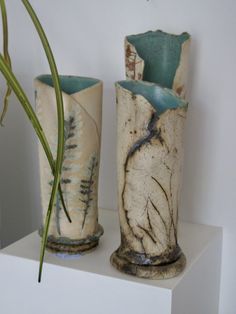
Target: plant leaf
x,y
8,92
12,81
60,116
6,57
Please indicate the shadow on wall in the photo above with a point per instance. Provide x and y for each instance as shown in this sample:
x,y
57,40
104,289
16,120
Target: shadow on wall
x,y
0,224
196,161
20,210
108,177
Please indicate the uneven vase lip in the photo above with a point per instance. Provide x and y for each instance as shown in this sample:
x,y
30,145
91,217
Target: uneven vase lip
x,y
70,84
186,35
159,97
160,52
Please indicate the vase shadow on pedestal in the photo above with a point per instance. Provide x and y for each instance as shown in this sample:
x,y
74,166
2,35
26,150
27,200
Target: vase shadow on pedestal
x,y
197,133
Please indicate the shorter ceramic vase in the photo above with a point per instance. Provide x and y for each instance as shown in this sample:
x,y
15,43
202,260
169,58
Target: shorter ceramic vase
x,y
82,99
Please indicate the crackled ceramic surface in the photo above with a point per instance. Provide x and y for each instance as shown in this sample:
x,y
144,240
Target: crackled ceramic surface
x,y
150,123
82,99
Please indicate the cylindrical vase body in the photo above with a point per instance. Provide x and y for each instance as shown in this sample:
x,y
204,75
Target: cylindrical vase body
x,y
150,123
150,153
82,98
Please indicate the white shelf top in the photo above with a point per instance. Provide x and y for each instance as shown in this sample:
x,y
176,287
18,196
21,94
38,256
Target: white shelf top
x,y
193,239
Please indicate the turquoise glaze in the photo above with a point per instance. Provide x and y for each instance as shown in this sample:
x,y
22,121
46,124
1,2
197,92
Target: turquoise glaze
x,y
161,54
160,98
69,84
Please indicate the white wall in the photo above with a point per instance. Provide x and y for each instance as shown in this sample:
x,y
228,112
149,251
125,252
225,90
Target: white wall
x,y
87,39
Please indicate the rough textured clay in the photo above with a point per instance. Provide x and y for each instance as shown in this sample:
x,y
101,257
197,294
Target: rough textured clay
x,y
150,124
79,181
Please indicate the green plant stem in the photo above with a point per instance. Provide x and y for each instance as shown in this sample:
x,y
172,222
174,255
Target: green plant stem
x,y
7,60
12,81
60,115
6,57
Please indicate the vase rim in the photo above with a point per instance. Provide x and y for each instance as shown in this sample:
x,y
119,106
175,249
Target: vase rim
x,y
70,84
161,98
157,32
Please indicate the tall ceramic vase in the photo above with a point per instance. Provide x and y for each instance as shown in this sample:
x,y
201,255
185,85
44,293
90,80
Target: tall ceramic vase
x,y
150,124
82,99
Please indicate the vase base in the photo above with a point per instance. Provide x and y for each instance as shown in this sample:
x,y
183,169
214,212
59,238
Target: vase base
x,y
70,249
149,271
69,246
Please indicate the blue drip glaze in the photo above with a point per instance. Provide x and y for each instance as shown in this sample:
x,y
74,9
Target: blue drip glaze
x,y
160,98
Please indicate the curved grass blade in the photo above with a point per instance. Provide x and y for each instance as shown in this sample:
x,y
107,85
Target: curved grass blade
x,y
8,92
60,115
12,81
6,57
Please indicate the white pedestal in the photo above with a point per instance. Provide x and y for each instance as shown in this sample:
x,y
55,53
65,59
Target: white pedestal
x,y
89,284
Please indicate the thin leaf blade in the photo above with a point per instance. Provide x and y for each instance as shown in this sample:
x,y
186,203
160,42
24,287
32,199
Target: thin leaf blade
x,y
19,92
6,57
60,115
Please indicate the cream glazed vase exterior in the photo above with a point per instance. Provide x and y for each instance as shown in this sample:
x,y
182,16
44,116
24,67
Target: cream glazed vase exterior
x,y
150,123
82,99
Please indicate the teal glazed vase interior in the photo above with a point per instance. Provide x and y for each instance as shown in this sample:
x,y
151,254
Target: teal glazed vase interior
x,y
151,112
158,57
82,98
